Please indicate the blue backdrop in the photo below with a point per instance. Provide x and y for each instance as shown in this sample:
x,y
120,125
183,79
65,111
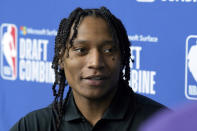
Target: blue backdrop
x,y
164,46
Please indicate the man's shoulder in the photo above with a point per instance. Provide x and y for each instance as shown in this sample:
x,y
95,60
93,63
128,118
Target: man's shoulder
x,y
144,101
146,107
40,119
42,113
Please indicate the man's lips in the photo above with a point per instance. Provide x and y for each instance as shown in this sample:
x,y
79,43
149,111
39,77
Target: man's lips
x,y
95,80
96,77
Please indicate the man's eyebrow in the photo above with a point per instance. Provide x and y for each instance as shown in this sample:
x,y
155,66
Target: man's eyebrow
x,y
80,41
108,42
85,41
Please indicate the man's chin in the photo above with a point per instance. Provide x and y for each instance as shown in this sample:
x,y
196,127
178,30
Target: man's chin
x,y
98,95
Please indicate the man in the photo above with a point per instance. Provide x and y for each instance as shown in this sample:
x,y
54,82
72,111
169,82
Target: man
x,y
92,56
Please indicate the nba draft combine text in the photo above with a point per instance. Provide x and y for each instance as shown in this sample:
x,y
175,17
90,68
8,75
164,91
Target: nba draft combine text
x,y
31,52
142,81
33,65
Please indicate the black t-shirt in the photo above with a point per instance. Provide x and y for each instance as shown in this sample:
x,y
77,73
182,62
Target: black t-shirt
x,y
126,113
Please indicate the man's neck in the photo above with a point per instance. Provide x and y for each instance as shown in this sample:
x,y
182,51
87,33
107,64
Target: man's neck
x,y
93,109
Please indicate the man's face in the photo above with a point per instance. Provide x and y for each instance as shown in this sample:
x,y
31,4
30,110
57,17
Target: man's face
x,y
92,66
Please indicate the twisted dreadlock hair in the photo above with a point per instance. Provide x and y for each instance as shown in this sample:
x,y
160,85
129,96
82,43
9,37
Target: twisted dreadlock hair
x,y
118,33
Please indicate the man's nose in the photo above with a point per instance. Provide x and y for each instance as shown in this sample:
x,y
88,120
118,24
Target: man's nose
x,y
95,60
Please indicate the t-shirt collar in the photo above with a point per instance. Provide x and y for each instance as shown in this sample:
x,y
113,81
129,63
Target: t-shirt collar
x,y
117,110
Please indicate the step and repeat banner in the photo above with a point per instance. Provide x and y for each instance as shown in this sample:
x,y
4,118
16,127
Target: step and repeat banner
x,y
163,34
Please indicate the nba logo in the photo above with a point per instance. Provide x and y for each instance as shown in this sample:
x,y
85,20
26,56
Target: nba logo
x,y
191,67
8,43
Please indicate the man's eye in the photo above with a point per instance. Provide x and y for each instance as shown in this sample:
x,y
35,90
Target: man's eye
x,y
108,50
80,50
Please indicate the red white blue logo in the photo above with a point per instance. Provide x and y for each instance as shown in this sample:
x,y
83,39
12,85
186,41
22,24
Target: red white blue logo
x,y
8,43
